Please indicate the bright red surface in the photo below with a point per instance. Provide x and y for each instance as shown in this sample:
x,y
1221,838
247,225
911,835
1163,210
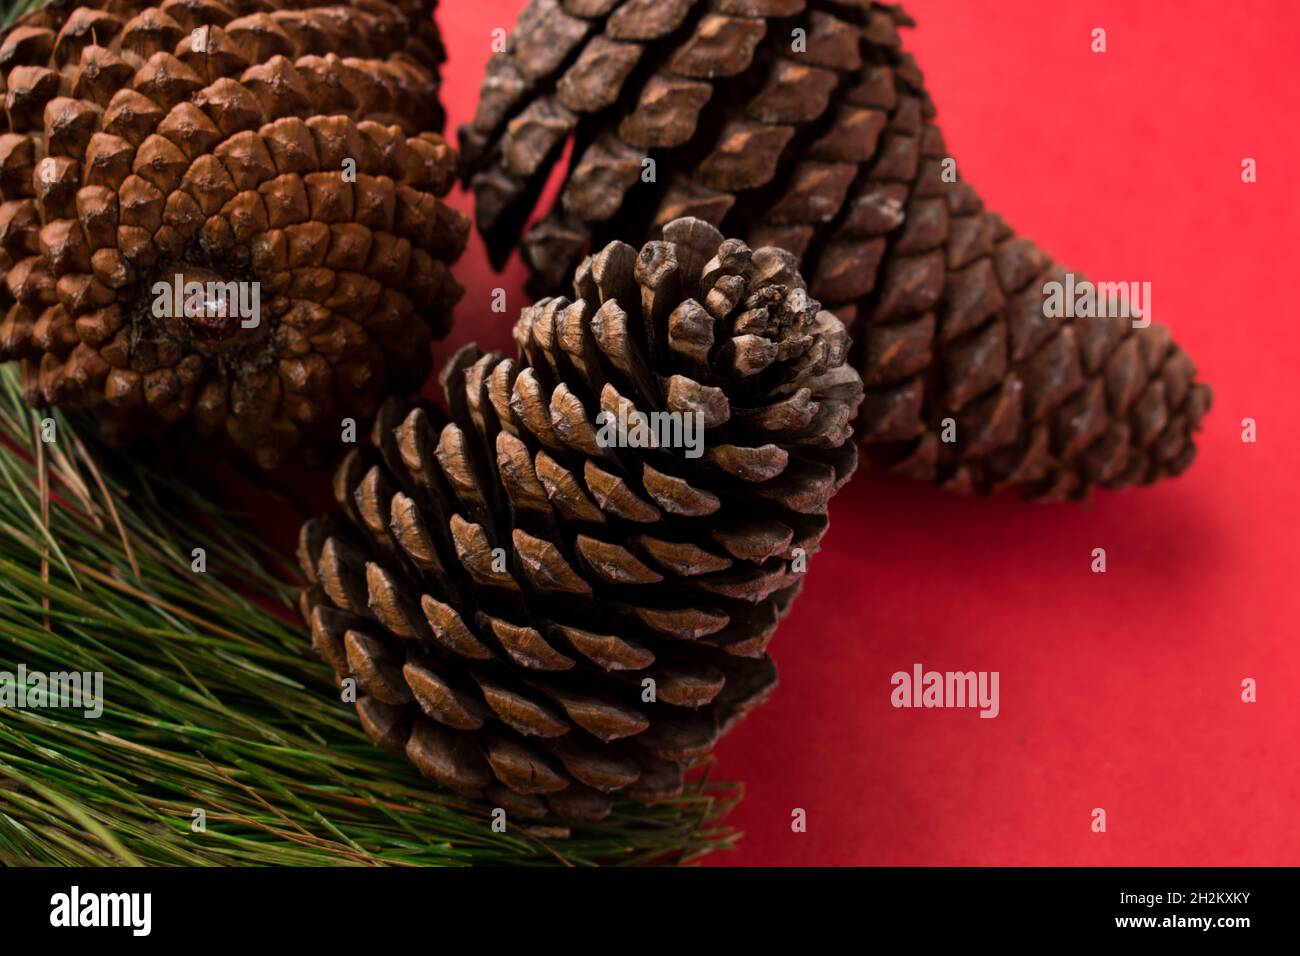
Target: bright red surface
x,y
1119,690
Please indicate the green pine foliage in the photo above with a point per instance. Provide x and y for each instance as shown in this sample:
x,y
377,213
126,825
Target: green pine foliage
x,y
11,10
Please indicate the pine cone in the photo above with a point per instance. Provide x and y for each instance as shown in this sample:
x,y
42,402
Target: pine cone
x,y
830,151
229,144
509,579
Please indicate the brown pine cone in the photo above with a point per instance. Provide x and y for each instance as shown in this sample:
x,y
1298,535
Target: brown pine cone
x,y
288,150
511,583
823,142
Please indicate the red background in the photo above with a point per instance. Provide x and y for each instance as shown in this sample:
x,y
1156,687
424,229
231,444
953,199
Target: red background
x,y
1121,690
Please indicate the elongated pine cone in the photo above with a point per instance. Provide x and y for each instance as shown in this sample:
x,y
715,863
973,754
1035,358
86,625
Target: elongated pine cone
x,y
804,124
283,160
544,617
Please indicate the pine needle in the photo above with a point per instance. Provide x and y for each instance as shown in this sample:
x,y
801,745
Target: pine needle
x,y
11,10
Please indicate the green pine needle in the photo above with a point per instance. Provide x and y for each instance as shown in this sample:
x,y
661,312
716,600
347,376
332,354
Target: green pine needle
x,y
213,700
11,10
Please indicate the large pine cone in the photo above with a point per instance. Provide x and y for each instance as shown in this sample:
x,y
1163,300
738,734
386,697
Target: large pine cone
x,y
829,151
225,141
509,579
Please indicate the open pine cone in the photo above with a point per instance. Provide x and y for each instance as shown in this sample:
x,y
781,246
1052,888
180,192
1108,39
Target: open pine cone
x,y
290,149
804,124
509,581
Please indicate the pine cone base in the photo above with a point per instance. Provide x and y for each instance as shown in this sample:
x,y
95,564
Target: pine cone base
x,y
290,194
